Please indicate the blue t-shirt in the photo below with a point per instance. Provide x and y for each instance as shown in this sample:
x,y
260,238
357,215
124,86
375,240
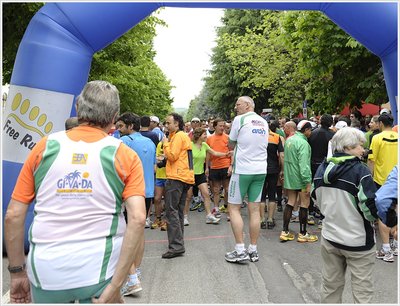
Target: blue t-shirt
x,y
146,150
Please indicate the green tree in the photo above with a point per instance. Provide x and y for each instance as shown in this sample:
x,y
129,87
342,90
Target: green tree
x,y
264,63
223,83
128,63
339,68
199,107
16,17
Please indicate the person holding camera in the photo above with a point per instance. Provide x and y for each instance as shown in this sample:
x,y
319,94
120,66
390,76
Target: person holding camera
x,y
180,176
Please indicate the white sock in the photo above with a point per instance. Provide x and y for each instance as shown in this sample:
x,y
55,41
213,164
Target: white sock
x,y
185,216
209,215
240,247
252,248
395,242
133,279
386,247
295,213
216,208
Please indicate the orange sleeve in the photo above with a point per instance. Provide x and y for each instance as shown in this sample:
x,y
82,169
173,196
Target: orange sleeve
x,y
130,170
24,190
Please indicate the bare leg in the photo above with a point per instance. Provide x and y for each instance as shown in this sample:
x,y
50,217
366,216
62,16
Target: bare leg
x,y
188,197
207,201
254,226
237,222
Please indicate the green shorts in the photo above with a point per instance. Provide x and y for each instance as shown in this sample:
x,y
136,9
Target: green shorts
x,y
242,184
83,294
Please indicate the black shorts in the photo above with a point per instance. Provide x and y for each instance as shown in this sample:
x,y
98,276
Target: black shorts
x,y
200,179
269,188
217,175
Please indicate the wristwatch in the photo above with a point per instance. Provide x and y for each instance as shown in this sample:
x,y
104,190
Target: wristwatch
x,y
16,269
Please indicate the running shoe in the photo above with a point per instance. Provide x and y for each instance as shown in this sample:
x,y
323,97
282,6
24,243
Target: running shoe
x,y
253,256
286,236
244,204
386,256
263,225
130,288
394,249
148,223
310,220
223,209
307,238
201,208
389,257
320,224
195,206
185,221
164,226
234,256
270,223
156,224
216,213
279,206
212,219
294,218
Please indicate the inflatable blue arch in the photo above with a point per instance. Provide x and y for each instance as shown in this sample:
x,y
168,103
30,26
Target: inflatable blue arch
x,y
54,58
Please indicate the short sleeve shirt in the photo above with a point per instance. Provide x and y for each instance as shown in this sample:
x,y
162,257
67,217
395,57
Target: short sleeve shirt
x,y
250,133
199,156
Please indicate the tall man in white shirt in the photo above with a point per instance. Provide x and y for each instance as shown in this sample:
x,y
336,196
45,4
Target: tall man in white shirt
x,y
249,139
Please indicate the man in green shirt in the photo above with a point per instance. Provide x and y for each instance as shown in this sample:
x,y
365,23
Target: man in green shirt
x,y
297,173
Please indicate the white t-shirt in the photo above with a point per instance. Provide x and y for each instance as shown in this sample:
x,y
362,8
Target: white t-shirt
x,y
83,250
250,133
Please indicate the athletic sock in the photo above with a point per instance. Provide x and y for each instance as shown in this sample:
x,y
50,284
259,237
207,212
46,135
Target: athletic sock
x,y
262,219
287,213
240,247
394,242
133,279
303,220
252,247
386,247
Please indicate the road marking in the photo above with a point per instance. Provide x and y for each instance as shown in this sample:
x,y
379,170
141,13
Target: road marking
x,y
6,298
298,283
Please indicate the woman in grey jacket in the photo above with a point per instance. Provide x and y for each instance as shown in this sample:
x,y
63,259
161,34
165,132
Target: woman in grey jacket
x,y
344,190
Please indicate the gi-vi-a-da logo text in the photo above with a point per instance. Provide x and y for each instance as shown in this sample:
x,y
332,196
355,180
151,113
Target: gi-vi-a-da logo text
x,y
26,123
75,185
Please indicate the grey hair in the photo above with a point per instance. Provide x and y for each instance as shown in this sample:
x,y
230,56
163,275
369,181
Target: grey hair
x,y
97,103
249,100
347,137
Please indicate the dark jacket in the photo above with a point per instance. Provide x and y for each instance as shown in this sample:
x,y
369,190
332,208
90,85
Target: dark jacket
x,y
344,191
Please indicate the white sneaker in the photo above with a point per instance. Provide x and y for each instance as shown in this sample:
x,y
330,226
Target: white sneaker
x,y
148,223
185,220
212,219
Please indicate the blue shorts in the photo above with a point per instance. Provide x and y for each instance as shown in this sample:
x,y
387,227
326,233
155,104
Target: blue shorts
x,y
161,182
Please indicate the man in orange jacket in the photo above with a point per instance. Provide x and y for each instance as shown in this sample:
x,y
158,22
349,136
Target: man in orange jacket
x,y
180,176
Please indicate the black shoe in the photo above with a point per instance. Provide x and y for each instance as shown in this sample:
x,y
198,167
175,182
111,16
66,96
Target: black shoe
x,y
271,224
170,254
263,225
279,206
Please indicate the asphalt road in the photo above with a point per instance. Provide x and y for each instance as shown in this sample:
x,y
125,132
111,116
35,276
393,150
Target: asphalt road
x,y
287,273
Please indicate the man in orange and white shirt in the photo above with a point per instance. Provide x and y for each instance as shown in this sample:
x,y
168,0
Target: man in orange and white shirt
x,y
82,180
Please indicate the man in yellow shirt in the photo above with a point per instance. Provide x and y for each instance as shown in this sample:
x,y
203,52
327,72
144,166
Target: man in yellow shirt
x,y
381,160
